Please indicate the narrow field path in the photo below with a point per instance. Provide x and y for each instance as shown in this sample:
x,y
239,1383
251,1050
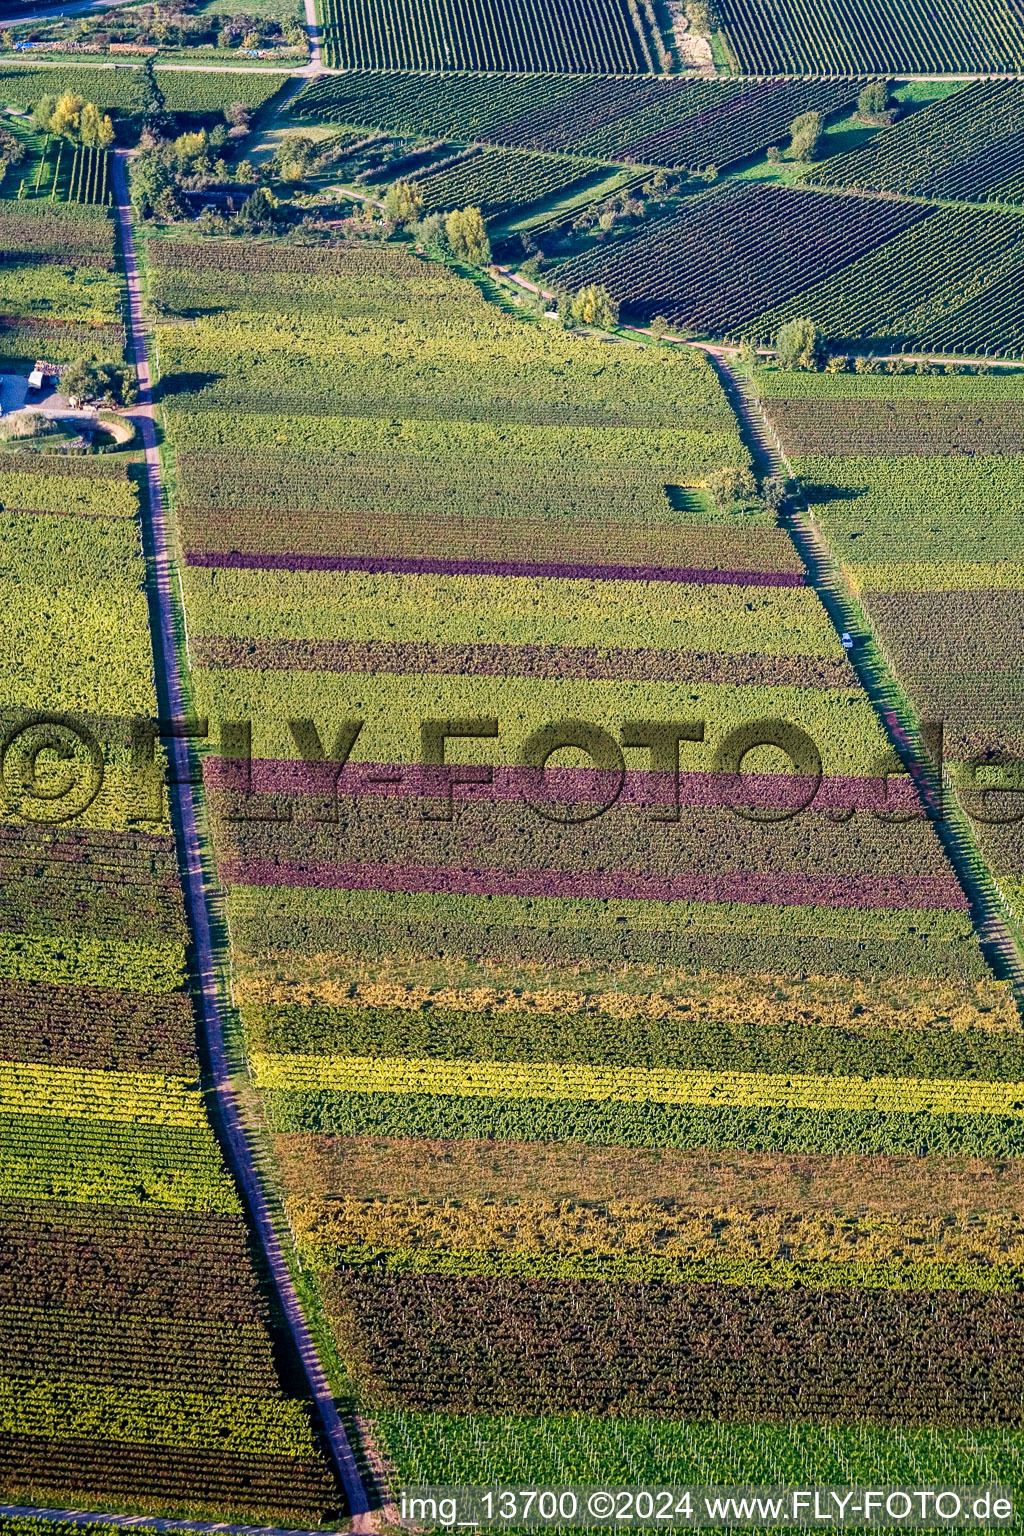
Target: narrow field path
x,y
197,896
898,716
316,62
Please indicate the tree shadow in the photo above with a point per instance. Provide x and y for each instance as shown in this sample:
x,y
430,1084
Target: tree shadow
x,y
818,495
188,383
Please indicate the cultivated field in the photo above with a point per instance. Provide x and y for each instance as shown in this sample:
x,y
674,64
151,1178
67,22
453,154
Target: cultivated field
x,y
139,1365
471,1026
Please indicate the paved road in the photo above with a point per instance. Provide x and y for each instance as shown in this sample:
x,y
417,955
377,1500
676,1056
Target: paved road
x,y
184,804
52,12
86,1518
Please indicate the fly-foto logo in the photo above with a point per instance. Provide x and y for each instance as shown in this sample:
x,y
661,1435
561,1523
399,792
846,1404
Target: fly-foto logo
x,y
54,766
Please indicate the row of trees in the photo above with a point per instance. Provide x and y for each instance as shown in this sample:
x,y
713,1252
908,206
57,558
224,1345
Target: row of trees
x,y
461,233
801,344
72,117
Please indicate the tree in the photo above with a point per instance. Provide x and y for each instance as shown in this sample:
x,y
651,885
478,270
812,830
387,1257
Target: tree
x,y
260,207
431,231
153,112
42,113
293,158
730,486
12,150
467,236
699,17
150,179
658,327
67,116
773,493
210,222
805,132
238,114
874,98
799,344
403,202
191,153
95,132
594,305
86,379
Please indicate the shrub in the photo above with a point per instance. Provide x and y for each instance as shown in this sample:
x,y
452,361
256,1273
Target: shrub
x,y
594,305
403,202
729,487
804,135
467,236
799,344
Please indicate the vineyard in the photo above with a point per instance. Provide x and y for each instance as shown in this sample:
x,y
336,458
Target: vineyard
x,y
499,1015
919,36
943,592
140,1362
59,293
497,180
968,145
119,89
636,1075
65,173
716,264
950,283
586,36
900,274
907,463
671,123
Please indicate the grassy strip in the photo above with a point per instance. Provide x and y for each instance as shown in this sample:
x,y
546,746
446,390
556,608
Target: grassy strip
x,y
501,610
545,913
322,1172
403,1234
53,491
61,1157
59,293
841,722
82,1093
630,1268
